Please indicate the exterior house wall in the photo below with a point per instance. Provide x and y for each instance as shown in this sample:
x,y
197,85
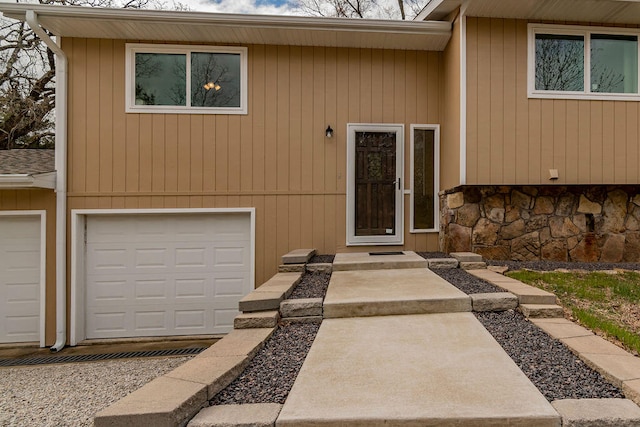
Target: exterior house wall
x,y
515,140
450,143
40,199
508,208
275,158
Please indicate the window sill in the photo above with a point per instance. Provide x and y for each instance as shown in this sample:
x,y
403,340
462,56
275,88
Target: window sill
x,y
585,96
186,110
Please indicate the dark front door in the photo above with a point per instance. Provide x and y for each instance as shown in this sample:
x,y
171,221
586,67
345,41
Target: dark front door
x,y
374,189
376,183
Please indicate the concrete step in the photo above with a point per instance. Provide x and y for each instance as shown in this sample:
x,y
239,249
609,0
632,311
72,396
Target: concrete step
x,y
301,307
598,412
248,415
388,292
268,296
541,310
366,261
494,301
417,370
526,294
260,319
466,256
298,256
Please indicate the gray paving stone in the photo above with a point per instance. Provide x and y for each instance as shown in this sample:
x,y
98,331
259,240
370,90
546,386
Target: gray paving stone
x,y
472,265
494,301
298,256
526,294
598,412
239,342
261,319
291,268
215,373
443,263
261,301
301,307
163,402
541,310
466,256
248,415
631,389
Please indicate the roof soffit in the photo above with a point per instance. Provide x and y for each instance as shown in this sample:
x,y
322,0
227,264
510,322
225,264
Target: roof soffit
x,y
143,25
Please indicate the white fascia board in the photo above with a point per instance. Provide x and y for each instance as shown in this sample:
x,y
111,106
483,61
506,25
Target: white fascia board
x,y
23,180
18,11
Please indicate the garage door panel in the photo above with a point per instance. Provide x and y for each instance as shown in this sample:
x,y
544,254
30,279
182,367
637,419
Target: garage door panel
x,y
20,278
174,274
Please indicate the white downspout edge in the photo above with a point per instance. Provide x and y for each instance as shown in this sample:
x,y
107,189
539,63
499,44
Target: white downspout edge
x,y
61,180
463,94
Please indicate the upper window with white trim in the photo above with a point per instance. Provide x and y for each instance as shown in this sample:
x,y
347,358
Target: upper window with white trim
x,y
186,79
583,62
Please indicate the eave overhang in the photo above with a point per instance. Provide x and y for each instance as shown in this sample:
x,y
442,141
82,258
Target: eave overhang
x,y
23,180
202,27
588,11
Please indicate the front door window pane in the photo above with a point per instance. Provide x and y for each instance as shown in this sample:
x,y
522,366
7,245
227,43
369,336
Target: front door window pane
x,y
375,183
160,79
215,79
559,62
614,63
423,179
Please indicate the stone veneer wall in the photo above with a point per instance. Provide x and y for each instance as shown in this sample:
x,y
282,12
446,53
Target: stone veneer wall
x,y
559,223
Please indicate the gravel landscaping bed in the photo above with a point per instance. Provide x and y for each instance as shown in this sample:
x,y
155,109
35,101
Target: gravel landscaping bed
x,y
71,394
270,375
317,259
550,366
553,265
313,285
466,282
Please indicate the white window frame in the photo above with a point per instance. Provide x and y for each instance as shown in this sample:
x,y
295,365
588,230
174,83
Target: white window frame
x,y
575,30
133,48
436,178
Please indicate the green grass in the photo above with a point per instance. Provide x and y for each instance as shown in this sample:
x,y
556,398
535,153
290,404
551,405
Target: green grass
x,y
595,299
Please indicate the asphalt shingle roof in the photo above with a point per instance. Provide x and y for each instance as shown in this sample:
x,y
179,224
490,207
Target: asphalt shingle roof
x,y
25,161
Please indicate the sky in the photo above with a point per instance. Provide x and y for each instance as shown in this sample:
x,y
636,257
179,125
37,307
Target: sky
x,y
257,7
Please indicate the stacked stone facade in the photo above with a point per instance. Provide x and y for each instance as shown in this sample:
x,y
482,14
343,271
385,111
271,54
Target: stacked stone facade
x,y
559,223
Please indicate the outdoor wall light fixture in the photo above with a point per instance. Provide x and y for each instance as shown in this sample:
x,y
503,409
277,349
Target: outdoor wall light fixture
x,y
329,132
212,85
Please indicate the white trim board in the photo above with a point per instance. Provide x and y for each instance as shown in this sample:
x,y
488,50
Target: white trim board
x,y
78,224
43,262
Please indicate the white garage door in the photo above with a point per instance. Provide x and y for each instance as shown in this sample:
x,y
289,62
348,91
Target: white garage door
x,y
19,279
160,275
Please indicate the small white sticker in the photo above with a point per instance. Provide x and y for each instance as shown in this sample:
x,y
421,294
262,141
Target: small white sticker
x,y
389,230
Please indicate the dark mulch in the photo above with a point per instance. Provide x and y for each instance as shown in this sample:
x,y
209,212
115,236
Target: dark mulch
x,y
270,375
466,282
550,366
319,259
312,285
553,265
430,255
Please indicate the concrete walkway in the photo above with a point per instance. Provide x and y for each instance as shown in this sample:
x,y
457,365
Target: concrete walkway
x,y
433,368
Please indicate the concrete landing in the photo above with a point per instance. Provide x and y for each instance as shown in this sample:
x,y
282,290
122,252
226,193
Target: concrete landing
x,y
388,292
366,261
413,370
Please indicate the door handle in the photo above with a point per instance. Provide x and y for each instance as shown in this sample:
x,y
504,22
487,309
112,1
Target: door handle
x,y
399,181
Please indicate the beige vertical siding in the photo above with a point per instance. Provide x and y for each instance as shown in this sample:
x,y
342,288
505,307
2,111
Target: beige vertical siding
x,y
40,199
515,140
276,158
450,131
